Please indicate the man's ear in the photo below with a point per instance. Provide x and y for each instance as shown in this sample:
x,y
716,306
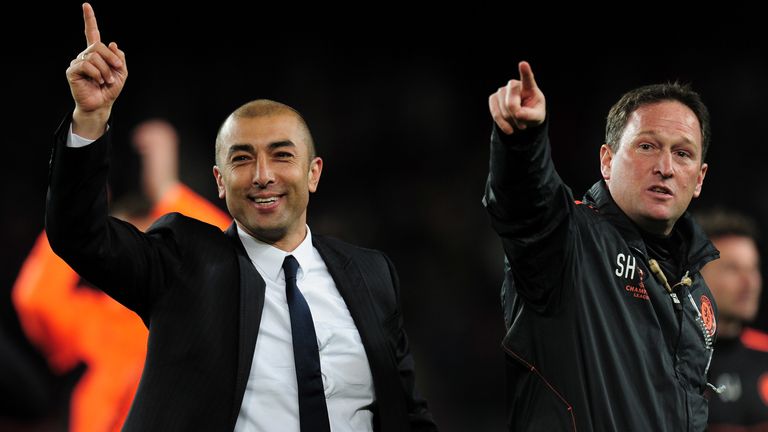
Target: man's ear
x,y
700,180
315,169
606,159
219,182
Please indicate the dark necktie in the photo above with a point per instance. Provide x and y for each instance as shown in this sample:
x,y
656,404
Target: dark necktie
x,y
313,413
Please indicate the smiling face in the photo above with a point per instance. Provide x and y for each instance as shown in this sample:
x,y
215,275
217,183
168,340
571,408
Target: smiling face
x,y
265,172
657,168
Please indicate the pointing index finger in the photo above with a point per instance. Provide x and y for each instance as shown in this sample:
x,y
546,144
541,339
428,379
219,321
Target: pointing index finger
x,y
91,28
526,76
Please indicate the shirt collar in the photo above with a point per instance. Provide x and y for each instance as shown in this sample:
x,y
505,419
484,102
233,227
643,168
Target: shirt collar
x,y
269,259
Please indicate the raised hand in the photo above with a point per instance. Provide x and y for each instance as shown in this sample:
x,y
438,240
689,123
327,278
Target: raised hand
x,y
520,104
96,78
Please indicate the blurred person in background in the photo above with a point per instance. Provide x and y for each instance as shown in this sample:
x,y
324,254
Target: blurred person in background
x,y
740,364
73,323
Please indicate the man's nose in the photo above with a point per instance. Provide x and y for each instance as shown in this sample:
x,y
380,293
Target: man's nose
x,y
263,174
664,166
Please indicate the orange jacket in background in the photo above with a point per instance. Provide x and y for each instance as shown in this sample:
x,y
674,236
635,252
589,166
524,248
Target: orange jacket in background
x,y
71,323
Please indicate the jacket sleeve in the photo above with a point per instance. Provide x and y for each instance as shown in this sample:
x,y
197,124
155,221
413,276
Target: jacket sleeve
x,y
113,255
419,417
531,210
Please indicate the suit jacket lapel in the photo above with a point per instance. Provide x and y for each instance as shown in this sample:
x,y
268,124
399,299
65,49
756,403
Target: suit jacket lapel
x,y
356,294
252,288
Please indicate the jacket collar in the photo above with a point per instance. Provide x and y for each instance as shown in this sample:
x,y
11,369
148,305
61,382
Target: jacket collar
x,y
700,250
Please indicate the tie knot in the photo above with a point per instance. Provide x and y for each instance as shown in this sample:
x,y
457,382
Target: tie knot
x,y
290,267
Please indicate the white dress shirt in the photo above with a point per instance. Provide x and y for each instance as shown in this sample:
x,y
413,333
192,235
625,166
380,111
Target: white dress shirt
x,y
271,400
76,141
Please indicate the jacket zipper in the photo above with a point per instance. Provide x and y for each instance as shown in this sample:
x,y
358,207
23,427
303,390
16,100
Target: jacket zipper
x,y
688,282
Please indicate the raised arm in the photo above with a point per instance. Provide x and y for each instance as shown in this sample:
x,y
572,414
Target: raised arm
x,y
111,254
526,199
96,78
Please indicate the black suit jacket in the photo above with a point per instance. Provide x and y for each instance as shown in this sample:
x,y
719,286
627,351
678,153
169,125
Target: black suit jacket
x,y
201,298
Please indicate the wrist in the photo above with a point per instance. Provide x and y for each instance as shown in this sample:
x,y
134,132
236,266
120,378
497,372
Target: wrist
x,y
91,125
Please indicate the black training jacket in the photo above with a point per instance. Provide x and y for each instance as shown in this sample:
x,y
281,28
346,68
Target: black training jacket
x,y
594,340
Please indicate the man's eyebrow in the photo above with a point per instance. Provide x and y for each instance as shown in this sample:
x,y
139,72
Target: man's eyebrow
x,y
279,144
234,148
240,147
658,135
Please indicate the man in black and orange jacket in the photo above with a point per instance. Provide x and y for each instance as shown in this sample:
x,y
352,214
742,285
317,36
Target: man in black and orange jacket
x,y
610,325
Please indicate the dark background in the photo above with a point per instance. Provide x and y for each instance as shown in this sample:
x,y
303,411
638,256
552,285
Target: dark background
x,y
401,120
